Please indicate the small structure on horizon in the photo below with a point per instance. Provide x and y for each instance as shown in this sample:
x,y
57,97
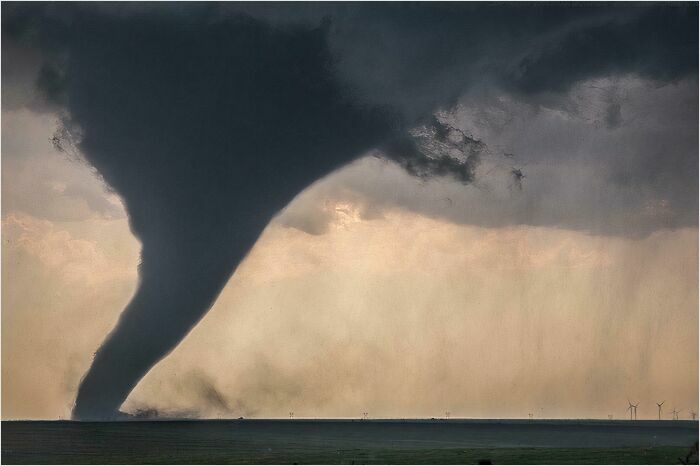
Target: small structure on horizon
x,y
675,413
633,410
693,414
660,405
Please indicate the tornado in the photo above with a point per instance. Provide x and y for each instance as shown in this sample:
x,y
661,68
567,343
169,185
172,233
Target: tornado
x,y
205,134
208,119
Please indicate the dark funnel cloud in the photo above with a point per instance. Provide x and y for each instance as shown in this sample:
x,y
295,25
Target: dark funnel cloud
x,y
208,119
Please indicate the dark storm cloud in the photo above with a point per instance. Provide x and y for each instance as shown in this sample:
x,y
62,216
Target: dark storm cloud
x,y
415,55
655,42
207,121
581,173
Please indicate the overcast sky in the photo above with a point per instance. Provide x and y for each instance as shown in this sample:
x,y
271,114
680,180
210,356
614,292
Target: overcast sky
x,y
556,274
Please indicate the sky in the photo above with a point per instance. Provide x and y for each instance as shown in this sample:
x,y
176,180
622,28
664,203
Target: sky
x,y
540,257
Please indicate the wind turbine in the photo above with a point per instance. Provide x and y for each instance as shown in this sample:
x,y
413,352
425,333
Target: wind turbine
x,y
675,414
632,409
693,414
660,405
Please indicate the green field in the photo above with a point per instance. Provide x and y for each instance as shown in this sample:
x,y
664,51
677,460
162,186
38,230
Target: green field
x,y
349,442
657,455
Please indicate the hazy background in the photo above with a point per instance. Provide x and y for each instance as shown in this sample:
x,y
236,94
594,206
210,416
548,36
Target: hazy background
x,y
377,292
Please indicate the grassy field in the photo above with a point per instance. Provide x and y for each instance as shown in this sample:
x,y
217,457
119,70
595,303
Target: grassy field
x,y
657,455
347,442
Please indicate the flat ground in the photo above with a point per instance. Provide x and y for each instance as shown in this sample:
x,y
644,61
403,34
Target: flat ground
x,y
349,442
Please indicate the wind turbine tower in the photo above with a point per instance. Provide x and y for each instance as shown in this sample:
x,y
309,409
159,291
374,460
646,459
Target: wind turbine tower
x,y
633,410
660,405
675,414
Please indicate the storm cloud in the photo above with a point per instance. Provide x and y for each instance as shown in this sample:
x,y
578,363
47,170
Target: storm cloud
x,y
208,119
581,172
